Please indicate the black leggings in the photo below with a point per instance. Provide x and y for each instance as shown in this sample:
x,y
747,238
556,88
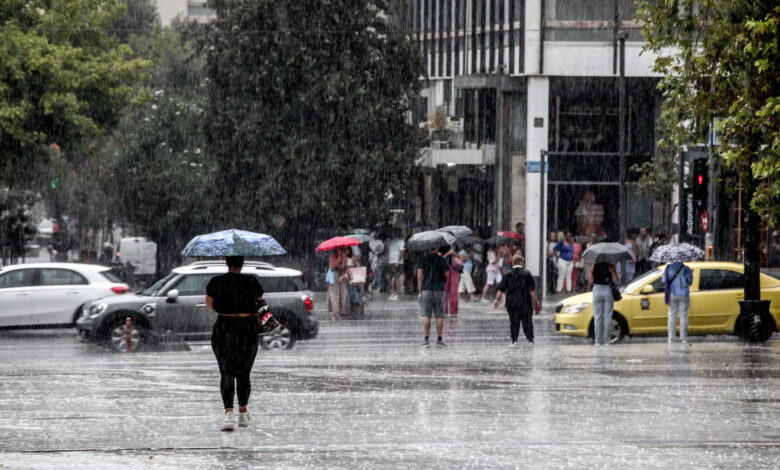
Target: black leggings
x,y
516,317
234,342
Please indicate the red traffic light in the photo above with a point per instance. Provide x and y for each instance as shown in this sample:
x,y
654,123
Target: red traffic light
x,y
701,179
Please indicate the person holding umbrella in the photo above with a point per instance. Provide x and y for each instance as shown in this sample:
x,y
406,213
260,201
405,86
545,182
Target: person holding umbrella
x,y
432,274
602,279
677,279
237,299
338,276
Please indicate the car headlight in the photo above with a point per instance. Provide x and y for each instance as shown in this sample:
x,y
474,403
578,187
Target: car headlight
x,y
575,308
97,309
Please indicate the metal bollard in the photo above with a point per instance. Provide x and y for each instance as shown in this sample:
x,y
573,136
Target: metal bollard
x,y
128,334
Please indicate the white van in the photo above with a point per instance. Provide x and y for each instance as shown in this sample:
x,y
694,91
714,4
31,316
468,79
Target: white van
x,y
140,252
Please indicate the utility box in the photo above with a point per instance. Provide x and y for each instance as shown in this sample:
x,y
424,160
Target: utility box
x,y
140,252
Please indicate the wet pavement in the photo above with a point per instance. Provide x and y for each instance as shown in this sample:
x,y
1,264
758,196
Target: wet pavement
x,y
365,395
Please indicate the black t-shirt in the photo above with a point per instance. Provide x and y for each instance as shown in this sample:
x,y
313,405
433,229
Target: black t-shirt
x,y
518,285
234,293
601,274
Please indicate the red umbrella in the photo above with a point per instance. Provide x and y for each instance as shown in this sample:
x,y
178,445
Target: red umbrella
x,y
514,235
337,242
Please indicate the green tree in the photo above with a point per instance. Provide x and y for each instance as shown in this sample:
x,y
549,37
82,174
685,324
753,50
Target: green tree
x,y
719,59
139,18
63,79
306,112
161,176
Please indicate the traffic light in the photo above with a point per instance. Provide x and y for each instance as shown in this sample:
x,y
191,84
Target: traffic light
x,y
701,181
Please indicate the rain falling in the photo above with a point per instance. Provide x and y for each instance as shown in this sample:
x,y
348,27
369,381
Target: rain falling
x,y
389,234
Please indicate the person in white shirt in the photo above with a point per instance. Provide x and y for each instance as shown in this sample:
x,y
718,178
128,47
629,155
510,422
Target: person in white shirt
x,y
396,250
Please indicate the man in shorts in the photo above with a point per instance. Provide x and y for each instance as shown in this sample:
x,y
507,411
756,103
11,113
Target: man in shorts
x,y
432,272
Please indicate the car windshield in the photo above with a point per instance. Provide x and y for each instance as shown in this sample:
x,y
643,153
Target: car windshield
x,y
111,276
772,274
156,288
636,283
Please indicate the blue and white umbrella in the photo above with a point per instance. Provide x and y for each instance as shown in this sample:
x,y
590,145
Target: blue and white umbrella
x,y
677,252
233,243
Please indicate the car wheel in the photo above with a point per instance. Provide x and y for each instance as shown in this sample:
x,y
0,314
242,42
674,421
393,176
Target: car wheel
x,y
117,337
617,331
282,339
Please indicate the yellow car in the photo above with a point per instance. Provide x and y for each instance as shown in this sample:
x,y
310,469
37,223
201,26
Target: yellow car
x,y
715,294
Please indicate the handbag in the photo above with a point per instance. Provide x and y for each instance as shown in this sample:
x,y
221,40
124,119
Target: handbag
x,y
456,263
616,295
330,278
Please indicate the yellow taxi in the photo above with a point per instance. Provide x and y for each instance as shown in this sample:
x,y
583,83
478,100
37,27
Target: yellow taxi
x,y
715,294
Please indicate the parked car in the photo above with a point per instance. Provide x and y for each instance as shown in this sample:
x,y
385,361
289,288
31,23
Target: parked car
x,y
715,294
174,307
52,294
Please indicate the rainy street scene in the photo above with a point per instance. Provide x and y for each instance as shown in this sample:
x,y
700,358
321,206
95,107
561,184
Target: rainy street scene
x,y
383,234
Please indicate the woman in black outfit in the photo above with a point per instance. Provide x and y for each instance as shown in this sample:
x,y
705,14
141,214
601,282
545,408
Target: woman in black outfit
x,y
236,298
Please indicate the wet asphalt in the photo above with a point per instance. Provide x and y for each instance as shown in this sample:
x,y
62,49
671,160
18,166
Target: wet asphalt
x,y
365,395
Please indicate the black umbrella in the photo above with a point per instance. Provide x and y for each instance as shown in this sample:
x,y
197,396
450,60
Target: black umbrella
x,y
471,240
429,240
607,253
499,240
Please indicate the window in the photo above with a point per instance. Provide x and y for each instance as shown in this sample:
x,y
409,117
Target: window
x,y
720,279
17,278
111,276
193,284
658,284
61,277
156,288
280,284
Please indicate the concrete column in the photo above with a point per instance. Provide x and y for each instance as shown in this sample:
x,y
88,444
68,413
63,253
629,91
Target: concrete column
x,y
533,26
538,107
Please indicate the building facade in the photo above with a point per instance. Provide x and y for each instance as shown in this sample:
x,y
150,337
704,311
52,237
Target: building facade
x,y
182,9
509,80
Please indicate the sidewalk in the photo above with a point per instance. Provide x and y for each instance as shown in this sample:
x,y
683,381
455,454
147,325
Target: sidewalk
x,y
381,306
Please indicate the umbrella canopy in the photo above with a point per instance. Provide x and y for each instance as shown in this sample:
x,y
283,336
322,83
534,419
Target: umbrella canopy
x,y
471,240
608,253
429,240
509,234
677,252
457,231
233,243
361,237
497,241
337,242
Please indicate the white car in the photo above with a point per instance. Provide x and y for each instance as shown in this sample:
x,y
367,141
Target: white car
x,y
52,294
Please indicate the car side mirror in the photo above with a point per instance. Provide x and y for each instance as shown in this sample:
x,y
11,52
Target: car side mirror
x,y
173,294
648,290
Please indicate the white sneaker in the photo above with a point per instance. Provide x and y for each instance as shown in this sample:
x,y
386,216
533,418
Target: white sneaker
x,y
243,419
513,345
228,423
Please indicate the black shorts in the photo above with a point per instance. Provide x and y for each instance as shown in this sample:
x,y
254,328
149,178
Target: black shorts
x,y
393,270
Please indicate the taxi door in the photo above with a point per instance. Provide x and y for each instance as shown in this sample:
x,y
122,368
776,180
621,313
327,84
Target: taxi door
x,y
715,302
648,310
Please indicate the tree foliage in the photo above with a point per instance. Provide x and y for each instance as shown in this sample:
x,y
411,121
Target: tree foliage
x,y
720,61
159,173
306,112
64,79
